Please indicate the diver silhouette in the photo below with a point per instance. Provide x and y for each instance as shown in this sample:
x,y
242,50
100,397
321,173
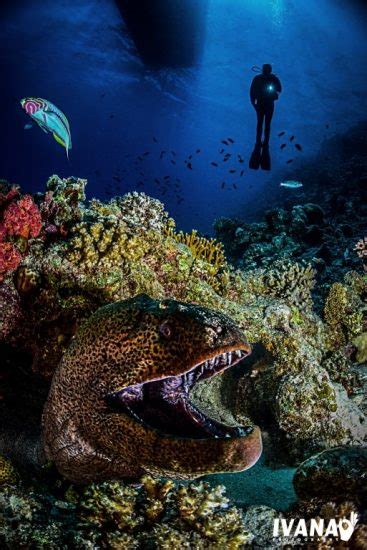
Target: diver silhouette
x,y
265,89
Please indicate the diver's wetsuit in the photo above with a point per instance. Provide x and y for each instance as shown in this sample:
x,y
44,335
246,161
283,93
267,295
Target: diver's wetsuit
x,y
263,92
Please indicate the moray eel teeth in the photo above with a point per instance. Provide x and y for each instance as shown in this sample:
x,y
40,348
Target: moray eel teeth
x,y
164,404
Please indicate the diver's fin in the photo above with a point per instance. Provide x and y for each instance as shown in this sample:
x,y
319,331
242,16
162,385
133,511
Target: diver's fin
x,y
265,160
254,162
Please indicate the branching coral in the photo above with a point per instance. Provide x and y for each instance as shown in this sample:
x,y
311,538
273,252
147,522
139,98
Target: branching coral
x,y
209,251
113,515
292,282
165,515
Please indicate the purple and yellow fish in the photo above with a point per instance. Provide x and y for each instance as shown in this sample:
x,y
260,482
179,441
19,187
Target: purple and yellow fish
x,y
49,118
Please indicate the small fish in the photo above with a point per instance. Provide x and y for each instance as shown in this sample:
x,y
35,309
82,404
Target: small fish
x,y
289,161
234,186
157,180
214,164
223,184
166,177
230,140
291,138
298,147
232,171
326,126
189,157
291,184
242,172
162,154
112,116
281,134
28,126
283,145
224,142
173,162
221,151
198,151
49,118
146,153
189,165
155,139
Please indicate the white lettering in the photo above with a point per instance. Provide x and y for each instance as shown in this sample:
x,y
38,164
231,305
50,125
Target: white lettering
x,y
301,529
332,529
287,528
316,527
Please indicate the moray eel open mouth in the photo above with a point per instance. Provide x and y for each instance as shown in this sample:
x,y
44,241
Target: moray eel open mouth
x,y
165,405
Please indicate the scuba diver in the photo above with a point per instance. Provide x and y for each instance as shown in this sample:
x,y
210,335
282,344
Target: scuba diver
x,y
265,89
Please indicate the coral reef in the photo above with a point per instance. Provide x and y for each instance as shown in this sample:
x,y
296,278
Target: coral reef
x,y
92,253
304,385
113,515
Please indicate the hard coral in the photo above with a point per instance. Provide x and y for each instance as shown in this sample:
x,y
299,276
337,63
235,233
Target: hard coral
x,y
161,515
142,213
292,282
209,251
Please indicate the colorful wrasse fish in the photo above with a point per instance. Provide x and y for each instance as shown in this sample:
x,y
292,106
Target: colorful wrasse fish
x,y
50,119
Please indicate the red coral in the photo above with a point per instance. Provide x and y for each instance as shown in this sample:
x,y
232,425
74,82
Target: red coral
x,y
22,218
10,258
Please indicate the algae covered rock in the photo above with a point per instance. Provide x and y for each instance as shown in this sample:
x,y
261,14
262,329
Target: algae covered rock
x,y
335,474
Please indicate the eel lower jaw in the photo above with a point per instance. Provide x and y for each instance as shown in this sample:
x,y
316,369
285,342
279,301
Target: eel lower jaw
x,y
164,405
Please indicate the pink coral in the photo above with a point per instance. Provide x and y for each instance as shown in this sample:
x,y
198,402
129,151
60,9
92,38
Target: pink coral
x,y
22,218
10,258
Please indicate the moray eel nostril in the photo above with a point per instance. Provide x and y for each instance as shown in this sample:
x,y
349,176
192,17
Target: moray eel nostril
x,y
120,405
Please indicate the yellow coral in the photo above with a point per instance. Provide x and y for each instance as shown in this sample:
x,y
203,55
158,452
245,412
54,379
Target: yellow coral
x,y
209,251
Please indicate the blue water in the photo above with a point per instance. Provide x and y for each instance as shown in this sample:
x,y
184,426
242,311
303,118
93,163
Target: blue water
x,y
78,55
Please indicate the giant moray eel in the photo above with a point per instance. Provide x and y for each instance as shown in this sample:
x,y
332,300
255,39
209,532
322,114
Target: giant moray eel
x,y
119,403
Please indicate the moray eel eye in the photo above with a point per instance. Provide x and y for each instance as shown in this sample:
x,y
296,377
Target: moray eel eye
x,y
164,405
165,330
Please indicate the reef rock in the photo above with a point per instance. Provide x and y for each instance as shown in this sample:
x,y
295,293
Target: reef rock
x,y
335,474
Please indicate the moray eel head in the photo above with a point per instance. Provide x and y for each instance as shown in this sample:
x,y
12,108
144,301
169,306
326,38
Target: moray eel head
x,y
119,404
